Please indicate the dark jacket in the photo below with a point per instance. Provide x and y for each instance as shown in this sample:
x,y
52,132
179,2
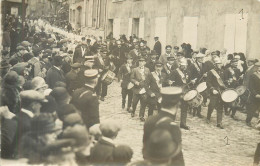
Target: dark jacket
x,y
72,81
156,82
215,83
102,152
125,75
79,57
152,123
8,132
54,75
158,47
254,87
136,76
87,103
182,80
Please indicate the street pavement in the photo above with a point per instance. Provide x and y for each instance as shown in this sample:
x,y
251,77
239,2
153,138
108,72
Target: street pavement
x,y
204,144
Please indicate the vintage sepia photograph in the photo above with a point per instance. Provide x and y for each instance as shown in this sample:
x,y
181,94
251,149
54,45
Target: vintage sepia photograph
x,y
130,82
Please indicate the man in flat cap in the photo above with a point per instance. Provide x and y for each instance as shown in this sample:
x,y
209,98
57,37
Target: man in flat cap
x,y
140,77
157,45
164,120
163,58
232,78
254,100
185,78
72,78
19,54
86,101
156,82
124,76
215,83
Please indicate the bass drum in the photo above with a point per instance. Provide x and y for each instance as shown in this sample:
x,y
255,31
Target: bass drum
x,y
108,77
193,98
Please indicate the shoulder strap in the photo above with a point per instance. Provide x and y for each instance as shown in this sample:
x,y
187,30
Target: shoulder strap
x,y
182,75
83,93
221,83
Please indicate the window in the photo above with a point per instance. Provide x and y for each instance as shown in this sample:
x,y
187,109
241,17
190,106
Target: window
x,y
135,28
235,33
73,16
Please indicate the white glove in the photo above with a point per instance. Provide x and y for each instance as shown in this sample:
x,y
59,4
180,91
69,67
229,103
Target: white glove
x,y
215,92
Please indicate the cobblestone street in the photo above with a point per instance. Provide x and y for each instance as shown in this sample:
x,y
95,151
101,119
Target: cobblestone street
x,y
203,145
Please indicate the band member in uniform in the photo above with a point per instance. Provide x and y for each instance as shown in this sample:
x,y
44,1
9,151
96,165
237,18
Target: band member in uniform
x,y
232,76
198,67
163,58
184,78
139,78
216,85
156,83
254,99
171,65
86,101
134,53
124,76
165,120
103,63
150,63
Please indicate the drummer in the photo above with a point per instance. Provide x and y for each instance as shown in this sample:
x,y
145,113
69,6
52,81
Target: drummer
x,y
254,100
182,77
103,63
232,76
216,84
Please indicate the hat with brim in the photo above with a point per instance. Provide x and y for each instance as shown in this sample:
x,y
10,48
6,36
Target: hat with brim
x,y
76,65
60,94
20,67
257,64
171,58
200,55
217,60
91,73
20,48
43,123
32,95
171,96
25,43
4,64
38,83
158,64
141,59
183,62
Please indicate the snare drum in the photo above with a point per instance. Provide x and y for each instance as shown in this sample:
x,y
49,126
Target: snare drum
x,y
229,96
240,90
201,88
108,77
193,98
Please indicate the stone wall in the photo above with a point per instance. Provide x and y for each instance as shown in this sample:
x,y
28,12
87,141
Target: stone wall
x,y
211,20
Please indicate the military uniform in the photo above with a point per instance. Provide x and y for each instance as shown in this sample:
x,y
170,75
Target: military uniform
x,y
86,101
